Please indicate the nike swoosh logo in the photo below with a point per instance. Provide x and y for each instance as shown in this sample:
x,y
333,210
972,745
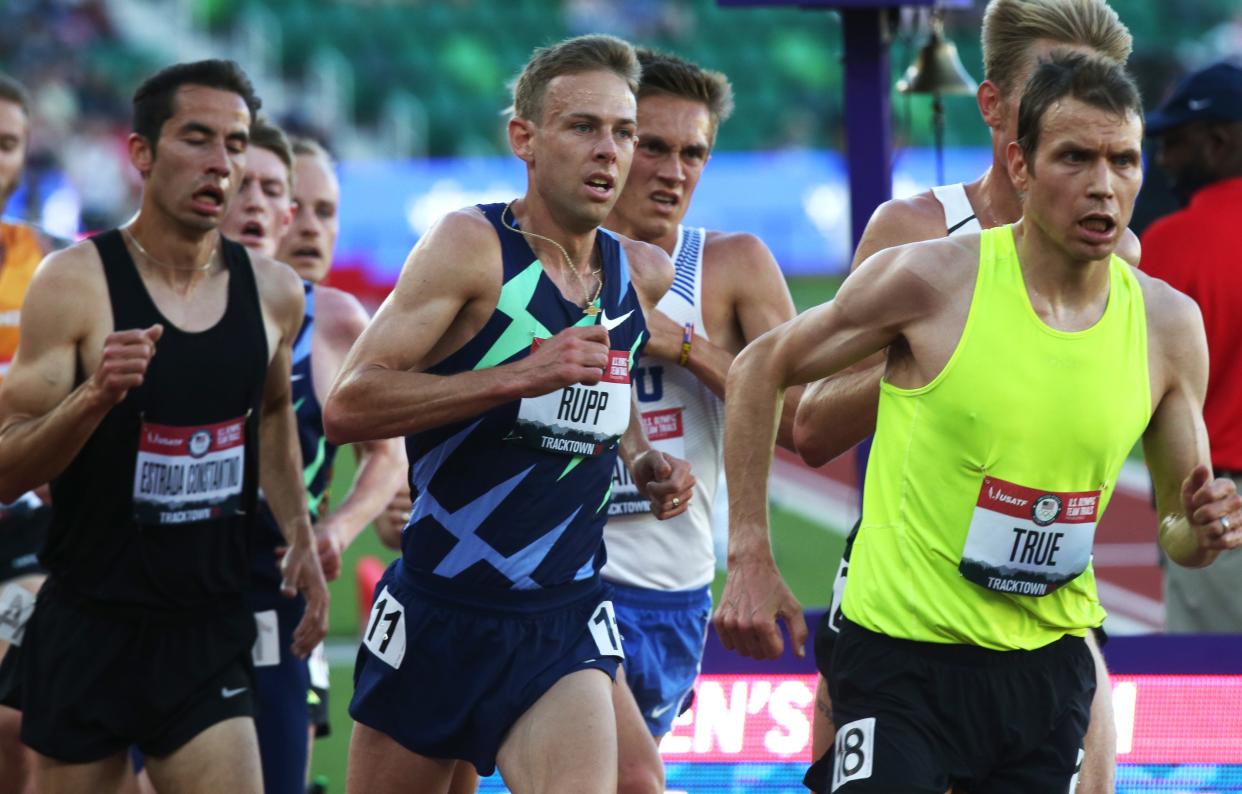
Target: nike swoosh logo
x,y
659,711
297,376
227,693
1198,104
610,324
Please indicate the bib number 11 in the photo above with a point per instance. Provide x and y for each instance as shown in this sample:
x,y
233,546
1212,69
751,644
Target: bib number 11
x,y
603,628
385,635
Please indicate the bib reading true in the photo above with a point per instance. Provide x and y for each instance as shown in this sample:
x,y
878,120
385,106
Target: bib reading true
x,y
578,419
666,432
1024,541
186,474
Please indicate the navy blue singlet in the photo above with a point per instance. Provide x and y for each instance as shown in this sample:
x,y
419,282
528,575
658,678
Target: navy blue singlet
x,y
506,505
317,452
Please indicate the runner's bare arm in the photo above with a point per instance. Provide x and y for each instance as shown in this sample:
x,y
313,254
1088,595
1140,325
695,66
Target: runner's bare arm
x,y
452,275
895,290
45,417
280,460
381,463
651,271
837,413
749,279
1190,502
660,476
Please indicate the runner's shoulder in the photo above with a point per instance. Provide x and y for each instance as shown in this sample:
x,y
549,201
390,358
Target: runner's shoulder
x,y
460,252
339,313
650,267
280,286
907,220
739,256
1170,313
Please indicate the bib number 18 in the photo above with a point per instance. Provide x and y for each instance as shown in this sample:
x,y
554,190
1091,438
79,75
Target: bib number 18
x,y
853,752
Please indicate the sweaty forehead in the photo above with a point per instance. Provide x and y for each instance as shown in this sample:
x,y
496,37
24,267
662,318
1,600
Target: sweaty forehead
x,y
595,93
1072,120
315,181
265,164
675,119
201,103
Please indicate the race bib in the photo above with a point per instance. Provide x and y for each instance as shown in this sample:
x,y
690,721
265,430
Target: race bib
x,y
578,420
666,433
186,474
385,634
317,664
605,632
266,650
16,606
1028,542
836,616
853,752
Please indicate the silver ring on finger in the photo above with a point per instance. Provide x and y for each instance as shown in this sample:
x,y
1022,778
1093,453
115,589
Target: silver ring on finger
x,y
1224,522
677,503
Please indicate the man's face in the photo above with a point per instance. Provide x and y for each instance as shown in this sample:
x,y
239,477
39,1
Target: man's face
x,y
674,142
1086,173
581,149
259,215
200,158
311,238
1183,155
13,127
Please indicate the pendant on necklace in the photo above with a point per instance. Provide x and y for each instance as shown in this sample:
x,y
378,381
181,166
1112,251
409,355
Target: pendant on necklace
x,y
591,310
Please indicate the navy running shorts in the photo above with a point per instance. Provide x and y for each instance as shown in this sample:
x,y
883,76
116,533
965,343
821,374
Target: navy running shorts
x,y
446,672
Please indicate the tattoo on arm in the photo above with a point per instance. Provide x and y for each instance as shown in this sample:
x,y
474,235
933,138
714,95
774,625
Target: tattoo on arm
x,y
824,707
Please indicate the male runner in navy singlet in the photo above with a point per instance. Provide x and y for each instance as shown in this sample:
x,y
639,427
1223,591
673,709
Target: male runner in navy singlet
x,y
503,355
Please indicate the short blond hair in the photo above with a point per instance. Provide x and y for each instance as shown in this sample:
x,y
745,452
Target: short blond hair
x,y
571,56
1010,26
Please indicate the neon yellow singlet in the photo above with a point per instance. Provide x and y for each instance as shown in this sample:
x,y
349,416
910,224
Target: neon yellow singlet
x,y
1010,454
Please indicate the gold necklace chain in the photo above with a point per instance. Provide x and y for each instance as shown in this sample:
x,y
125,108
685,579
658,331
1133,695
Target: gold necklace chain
x,y
591,309
147,255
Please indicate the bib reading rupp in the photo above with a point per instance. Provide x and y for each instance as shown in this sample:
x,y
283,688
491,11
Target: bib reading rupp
x,y
984,487
516,498
683,418
157,509
579,420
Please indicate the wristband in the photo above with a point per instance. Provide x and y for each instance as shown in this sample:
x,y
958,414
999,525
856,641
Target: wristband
x,y
687,338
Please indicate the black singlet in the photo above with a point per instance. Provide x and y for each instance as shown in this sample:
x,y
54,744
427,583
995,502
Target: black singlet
x,y
164,524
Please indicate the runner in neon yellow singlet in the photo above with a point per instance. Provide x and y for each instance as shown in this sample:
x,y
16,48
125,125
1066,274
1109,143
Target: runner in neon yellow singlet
x,y
1023,364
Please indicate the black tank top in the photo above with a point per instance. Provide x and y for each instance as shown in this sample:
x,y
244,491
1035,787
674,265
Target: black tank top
x,y
156,510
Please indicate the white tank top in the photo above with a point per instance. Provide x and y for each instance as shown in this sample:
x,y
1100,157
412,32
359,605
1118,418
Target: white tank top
x,y
959,216
682,418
